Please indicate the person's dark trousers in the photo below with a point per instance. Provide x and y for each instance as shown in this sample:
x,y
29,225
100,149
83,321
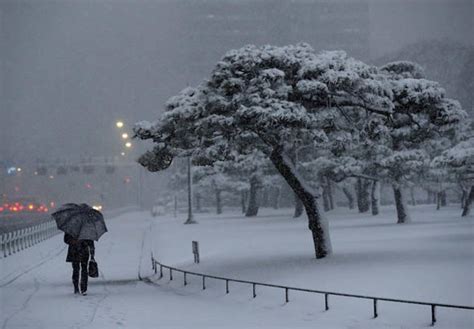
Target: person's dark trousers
x,y
76,266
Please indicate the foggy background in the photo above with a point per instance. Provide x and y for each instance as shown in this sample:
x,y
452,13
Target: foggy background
x,y
70,69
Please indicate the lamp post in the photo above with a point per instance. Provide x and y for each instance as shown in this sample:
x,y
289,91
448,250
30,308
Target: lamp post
x,y
128,145
190,219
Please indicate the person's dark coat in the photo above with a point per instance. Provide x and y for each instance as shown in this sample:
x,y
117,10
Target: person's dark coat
x,y
79,250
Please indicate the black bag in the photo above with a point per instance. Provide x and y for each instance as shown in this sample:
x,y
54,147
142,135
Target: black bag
x,y
93,269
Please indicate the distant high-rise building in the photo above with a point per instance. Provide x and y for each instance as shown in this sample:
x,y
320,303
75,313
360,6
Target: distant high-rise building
x,y
209,28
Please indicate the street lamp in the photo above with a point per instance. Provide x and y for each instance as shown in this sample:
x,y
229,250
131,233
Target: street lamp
x,y
124,135
128,144
119,124
190,219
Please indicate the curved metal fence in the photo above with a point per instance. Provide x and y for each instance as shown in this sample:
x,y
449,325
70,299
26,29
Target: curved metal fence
x,y
15,241
286,289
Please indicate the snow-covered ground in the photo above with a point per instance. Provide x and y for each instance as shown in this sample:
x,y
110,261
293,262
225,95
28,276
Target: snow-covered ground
x,y
431,259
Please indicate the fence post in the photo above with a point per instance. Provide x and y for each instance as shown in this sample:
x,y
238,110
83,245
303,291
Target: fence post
x,y
254,288
4,249
326,304
375,308
171,274
161,271
28,237
433,315
203,282
18,241
226,286
23,239
10,237
184,278
14,236
286,295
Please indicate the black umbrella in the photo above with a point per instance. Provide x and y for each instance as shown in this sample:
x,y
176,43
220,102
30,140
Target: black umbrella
x,y
81,221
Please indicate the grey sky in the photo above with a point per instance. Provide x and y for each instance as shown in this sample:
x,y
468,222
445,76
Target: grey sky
x,y
69,69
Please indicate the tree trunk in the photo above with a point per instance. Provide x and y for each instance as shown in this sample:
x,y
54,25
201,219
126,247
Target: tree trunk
x,y
298,207
243,198
463,198
349,196
317,223
375,197
326,205
330,194
362,193
252,209
429,197
276,198
402,211
444,201
265,197
218,202
468,203
197,201
412,195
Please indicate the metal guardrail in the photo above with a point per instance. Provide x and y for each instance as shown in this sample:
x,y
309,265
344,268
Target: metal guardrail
x,y
156,264
15,241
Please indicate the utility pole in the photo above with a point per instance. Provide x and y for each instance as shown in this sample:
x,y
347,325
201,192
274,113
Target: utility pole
x,y
190,219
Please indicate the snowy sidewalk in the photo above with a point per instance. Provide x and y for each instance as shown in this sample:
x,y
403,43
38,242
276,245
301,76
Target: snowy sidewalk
x,y
40,295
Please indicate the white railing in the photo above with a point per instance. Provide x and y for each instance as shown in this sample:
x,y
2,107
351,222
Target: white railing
x,y
15,241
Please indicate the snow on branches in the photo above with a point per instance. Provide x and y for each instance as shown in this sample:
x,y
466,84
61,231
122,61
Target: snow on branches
x,y
277,100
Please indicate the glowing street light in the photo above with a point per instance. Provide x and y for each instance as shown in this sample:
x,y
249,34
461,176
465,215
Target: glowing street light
x,y
18,169
128,144
119,124
123,154
124,135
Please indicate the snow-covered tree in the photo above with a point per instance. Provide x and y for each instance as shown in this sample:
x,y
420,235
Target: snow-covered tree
x,y
460,159
273,99
421,113
210,179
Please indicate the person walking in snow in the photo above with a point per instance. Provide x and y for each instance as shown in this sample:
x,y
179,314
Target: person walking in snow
x,y
78,254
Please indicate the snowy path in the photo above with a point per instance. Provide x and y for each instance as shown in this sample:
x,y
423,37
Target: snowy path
x,y
36,289
38,294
